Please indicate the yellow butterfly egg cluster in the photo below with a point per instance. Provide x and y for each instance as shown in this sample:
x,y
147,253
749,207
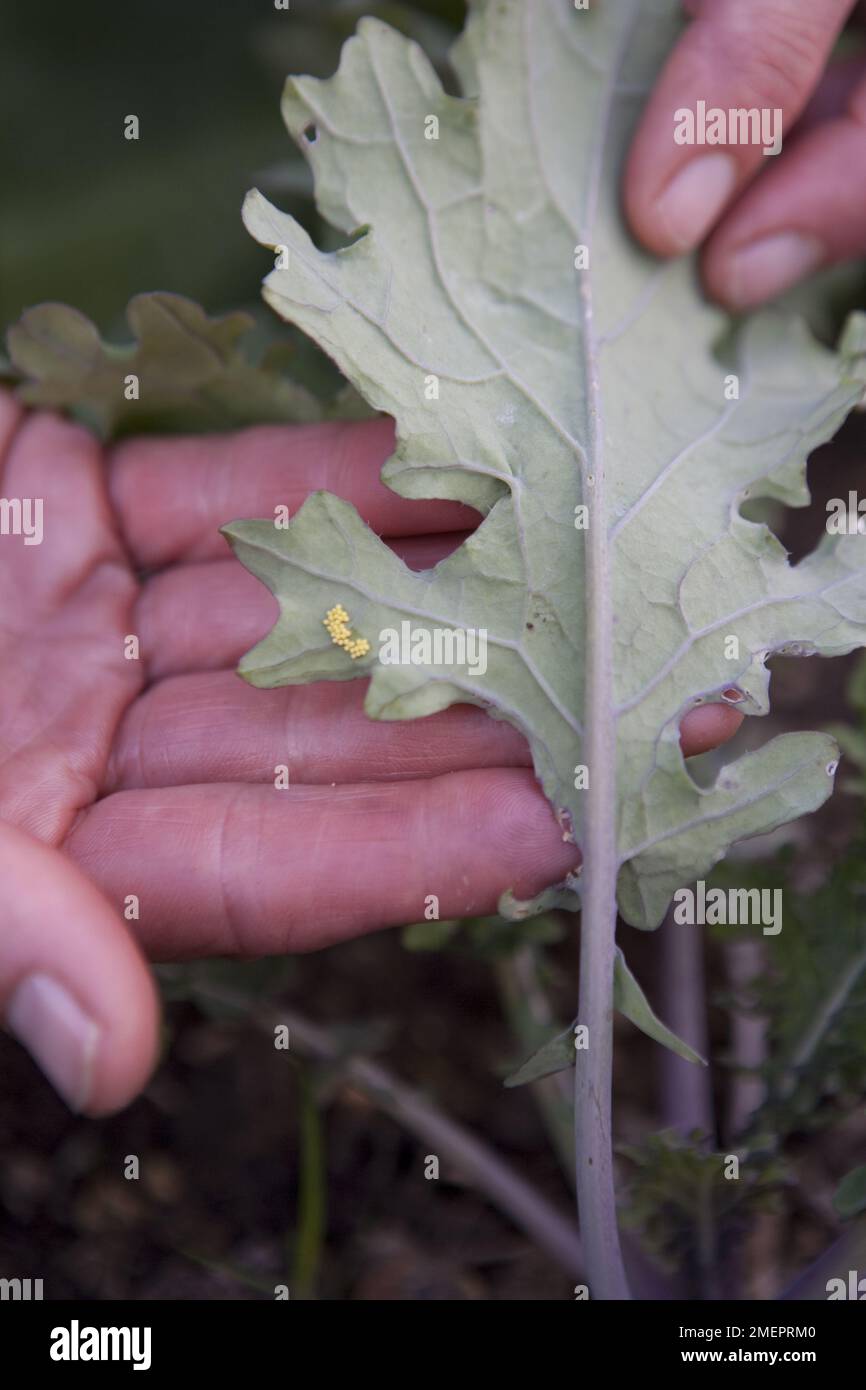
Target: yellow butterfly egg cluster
x,y
336,620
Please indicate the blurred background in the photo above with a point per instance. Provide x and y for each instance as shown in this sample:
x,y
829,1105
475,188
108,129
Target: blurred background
x,y
258,1168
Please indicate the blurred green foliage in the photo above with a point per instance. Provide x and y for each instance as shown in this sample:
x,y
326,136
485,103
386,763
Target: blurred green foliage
x,y
812,992
487,938
687,1205
811,995
190,371
91,218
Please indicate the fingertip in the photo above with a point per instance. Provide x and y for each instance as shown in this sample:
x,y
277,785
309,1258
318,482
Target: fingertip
x,y
639,207
747,276
735,80
129,1049
74,987
536,847
708,726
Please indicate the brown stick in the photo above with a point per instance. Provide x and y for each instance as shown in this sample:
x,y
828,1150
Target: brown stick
x,y
478,1164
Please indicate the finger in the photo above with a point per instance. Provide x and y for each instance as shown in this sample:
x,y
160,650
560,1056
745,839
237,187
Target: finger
x,y
251,870
203,617
831,95
215,728
67,543
708,726
172,495
10,418
761,55
73,986
808,211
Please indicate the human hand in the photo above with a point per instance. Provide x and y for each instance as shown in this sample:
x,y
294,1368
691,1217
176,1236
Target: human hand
x,y
153,778
767,221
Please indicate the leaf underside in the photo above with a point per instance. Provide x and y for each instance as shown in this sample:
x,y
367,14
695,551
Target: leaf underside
x,y
462,267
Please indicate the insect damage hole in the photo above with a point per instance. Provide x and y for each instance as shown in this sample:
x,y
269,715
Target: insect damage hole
x,y
310,133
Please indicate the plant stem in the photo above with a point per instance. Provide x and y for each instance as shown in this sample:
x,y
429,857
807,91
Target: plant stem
x,y
848,1252
532,1020
477,1163
745,961
596,1198
708,1254
824,1020
687,1091
312,1194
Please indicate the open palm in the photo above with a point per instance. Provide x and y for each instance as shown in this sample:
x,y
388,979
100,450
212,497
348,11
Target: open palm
x,y
138,808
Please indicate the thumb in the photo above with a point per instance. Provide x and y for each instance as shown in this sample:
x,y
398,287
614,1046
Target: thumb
x,y
74,988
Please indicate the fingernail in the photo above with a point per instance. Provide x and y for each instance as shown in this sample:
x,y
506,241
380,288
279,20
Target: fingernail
x,y
695,196
769,266
59,1036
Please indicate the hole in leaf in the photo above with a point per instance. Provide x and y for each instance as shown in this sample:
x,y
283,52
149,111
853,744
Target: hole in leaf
x,y
834,471
310,133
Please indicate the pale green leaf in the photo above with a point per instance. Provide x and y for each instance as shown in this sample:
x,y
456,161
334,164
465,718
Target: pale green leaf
x,y
558,387
630,1000
553,1056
